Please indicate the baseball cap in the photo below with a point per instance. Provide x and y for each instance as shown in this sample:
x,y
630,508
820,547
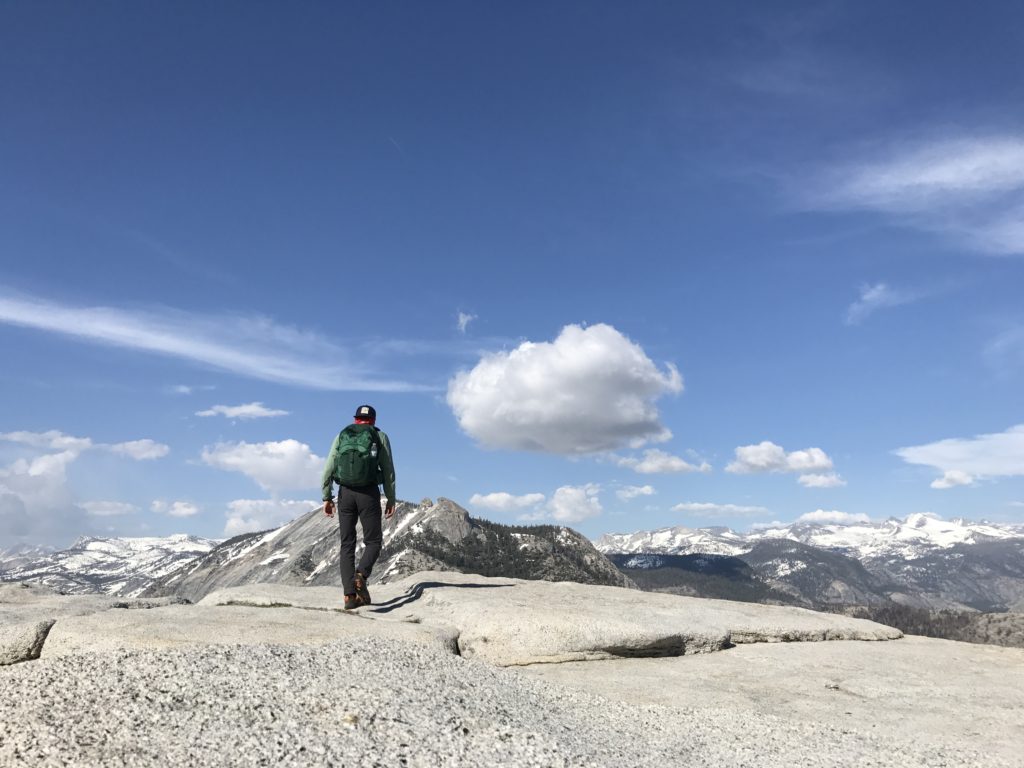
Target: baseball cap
x,y
366,412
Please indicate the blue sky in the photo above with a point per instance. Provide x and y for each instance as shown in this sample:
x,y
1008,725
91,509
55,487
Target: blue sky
x,y
609,266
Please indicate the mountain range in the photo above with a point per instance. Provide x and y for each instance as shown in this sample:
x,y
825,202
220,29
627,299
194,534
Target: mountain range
x,y
921,561
425,536
113,566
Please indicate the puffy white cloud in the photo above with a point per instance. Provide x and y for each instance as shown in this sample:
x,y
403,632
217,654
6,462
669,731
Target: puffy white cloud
x,y
174,508
709,508
962,461
141,450
506,502
36,503
109,508
590,390
658,462
875,297
573,504
633,491
813,464
951,479
249,515
833,516
827,480
463,321
969,187
246,411
275,466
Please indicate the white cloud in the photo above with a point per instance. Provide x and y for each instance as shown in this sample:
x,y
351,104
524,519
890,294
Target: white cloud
x,y
873,298
827,480
962,461
1016,503
141,450
969,187
109,508
767,526
275,466
464,320
174,508
36,503
1005,352
573,504
634,491
247,411
709,508
812,464
51,440
951,479
506,502
588,391
249,515
252,346
833,516
658,462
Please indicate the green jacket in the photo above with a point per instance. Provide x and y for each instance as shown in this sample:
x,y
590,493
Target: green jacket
x,y
385,467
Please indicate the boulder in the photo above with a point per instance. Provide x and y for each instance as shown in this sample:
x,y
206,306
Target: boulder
x,y
22,642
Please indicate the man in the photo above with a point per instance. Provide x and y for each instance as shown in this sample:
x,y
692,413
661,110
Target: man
x,y
359,461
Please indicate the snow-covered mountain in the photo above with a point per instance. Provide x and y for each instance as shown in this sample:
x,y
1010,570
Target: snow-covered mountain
x,y
913,537
115,566
921,561
426,536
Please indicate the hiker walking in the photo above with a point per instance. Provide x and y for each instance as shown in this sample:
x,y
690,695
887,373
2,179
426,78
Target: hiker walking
x,y
359,461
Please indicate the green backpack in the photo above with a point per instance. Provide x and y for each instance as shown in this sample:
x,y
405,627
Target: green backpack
x,y
355,459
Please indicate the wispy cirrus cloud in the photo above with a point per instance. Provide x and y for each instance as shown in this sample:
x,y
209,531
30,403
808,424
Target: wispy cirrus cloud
x,y
969,187
876,297
246,345
1005,352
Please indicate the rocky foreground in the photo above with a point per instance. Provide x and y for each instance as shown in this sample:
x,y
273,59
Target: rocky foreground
x,y
456,669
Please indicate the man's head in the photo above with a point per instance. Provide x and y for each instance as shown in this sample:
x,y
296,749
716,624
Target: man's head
x,y
365,414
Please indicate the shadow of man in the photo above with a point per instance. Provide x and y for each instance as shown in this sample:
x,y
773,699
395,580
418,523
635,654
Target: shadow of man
x,y
415,592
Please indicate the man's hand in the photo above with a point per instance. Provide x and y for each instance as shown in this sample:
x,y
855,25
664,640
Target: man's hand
x,y
389,511
329,507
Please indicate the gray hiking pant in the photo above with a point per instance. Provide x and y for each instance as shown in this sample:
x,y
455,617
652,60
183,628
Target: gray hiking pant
x,y
362,504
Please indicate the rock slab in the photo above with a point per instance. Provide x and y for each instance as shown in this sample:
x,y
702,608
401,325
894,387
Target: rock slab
x,y
511,622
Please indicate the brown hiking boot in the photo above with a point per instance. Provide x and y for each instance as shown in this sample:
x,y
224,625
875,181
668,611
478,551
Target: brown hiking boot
x,y
352,601
361,591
